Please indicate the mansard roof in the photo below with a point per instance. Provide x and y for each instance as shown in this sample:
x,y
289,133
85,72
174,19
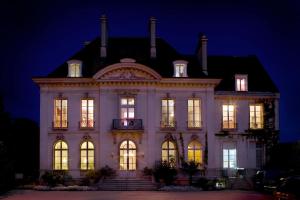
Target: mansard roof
x,y
222,67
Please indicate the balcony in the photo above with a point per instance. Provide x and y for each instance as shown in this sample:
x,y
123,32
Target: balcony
x,y
194,124
127,124
229,126
170,125
60,125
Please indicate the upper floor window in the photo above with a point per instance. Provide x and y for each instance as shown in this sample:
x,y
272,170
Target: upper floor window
x,y
87,113
194,114
127,110
241,82
256,116
180,68
74,67
60,113
228,115
167,113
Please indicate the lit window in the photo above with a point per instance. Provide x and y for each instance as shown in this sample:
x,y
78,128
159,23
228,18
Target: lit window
x,y
168,114
195,152
60,156
229,158
241,83
180,69
168,153
127,155
127,110
60,113
256,116
87,113
194,115
87,156
74,68
229,121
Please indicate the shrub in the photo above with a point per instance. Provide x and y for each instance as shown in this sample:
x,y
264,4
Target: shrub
x,y
166,172
91,177
107,172
190,168
147,171
53,178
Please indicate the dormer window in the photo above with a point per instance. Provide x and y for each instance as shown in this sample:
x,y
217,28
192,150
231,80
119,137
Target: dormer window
x,y
74,68
241,82
180,68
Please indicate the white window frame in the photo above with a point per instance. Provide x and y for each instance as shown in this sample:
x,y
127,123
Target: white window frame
x,y
180,68
226,124
254,124
228,151
193,123
127,106
74,68
241,82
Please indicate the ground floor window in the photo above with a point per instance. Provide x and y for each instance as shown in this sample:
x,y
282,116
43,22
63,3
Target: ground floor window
x,y
195,152
60,158
127,155
229,158
87,156
168,152
259,156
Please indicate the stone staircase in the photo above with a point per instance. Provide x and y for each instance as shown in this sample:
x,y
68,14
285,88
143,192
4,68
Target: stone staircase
x,y
130,184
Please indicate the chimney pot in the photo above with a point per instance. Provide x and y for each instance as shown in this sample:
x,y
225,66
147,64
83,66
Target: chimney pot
x,y
103,20
152,37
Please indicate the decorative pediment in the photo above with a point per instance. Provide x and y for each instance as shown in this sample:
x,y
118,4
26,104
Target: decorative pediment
x,y
127,72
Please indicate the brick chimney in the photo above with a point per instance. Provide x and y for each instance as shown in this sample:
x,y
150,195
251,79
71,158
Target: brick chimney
x,y
103,20
152,37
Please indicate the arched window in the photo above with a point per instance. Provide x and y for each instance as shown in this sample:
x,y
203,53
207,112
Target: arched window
x,y
60,156
195,152
168,152
87,156
127,155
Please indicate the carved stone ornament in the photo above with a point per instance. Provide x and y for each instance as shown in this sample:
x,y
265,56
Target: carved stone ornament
x,y
169,136
86,137
194,137
60,137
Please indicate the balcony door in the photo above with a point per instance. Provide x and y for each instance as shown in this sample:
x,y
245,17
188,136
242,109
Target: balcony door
x,y
127,111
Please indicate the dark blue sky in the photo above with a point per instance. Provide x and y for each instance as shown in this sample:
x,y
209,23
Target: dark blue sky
x,y
37,36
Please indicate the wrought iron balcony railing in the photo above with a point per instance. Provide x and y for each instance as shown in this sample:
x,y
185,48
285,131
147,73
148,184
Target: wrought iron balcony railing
x,y
60,124
86,124
194,124
168,124
228,125
255,125
127,124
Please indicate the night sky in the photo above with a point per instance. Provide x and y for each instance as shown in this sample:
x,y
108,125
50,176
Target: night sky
x,y
37,36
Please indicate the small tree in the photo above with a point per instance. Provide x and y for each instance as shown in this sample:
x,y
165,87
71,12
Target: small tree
x,y
190,168
165,171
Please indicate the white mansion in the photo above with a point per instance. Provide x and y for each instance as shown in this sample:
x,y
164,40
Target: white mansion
x,y
129,102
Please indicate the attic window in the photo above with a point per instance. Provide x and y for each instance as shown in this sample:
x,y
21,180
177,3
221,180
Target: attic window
x,y
74,68
180,68
241,82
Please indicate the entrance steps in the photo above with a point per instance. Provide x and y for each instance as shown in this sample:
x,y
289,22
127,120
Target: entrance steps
x,y
130,184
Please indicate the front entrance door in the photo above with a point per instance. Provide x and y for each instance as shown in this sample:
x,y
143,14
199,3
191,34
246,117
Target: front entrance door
x,y
127,156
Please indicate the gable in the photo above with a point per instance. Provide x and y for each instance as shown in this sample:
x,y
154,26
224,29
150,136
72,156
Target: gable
x,y
126,71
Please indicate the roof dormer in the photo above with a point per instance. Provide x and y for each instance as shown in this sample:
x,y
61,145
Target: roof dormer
x,y
74,68
180,68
